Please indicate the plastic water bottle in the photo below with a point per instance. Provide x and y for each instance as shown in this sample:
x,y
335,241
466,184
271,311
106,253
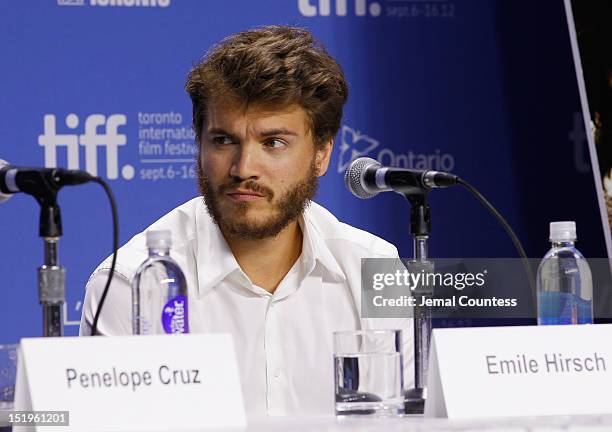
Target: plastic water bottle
x,y
159,291
564,281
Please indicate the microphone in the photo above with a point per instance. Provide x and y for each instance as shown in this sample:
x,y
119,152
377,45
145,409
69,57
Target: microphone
x,y
37,181
366,177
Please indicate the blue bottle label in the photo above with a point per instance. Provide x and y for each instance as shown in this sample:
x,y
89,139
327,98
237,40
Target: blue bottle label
x,y
174,316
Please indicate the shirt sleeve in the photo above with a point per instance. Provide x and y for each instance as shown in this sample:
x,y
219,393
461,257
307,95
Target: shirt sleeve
x,y
115,318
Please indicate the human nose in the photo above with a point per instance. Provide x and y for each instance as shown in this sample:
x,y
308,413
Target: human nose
x,y
246,163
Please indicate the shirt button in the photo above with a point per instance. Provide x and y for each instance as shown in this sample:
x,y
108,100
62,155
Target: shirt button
x,y
277,373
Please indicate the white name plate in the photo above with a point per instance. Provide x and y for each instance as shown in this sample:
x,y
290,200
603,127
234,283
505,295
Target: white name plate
x,y
520,371
132,383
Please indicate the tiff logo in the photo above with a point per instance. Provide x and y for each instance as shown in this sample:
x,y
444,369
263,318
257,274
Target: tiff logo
x,y
309,7
111,139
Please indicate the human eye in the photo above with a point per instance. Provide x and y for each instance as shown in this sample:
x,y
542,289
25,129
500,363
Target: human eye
x,y
221,140
275,143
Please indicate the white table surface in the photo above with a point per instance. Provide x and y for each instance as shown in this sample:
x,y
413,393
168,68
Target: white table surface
x,y
418,423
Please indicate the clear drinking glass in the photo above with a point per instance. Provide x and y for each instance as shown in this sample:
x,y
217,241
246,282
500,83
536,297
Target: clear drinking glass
x,y
368,370
8,367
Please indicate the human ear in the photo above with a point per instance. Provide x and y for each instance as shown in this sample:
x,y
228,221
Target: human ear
x,y
323,156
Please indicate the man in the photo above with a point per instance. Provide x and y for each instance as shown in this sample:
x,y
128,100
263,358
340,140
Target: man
x,y
263,262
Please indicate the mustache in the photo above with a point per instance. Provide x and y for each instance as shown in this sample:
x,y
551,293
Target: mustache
x,y
249,185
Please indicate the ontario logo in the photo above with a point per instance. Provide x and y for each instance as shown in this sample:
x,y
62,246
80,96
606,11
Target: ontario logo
x,y
92,139
312,8
354,144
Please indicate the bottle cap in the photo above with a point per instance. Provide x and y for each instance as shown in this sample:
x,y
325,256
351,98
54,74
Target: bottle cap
x,y
159,239
562,231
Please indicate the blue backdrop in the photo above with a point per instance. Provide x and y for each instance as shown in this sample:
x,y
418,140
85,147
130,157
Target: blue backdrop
x,y
483,88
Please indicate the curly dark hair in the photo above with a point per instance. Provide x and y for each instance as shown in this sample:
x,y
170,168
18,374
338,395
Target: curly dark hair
x,y
272,66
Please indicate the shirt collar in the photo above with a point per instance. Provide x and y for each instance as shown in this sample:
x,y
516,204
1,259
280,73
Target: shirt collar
x,y
215,260
315,249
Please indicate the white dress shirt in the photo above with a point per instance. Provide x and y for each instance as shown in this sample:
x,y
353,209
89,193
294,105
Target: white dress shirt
x,y
283,340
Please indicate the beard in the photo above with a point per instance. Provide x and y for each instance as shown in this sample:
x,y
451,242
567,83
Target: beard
x,y
284,209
